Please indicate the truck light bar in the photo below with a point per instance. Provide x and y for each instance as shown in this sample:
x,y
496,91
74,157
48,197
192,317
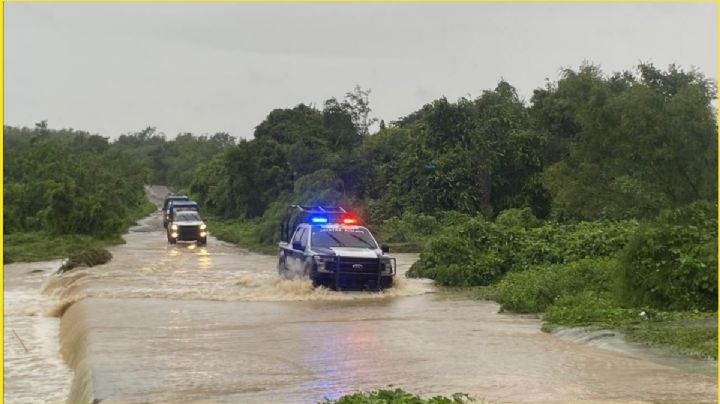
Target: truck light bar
x,y
348,219
315,215
318,219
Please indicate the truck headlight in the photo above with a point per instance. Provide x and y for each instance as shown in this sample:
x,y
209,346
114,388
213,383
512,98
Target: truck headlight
x,y
203,226
174,227
386,265
321,262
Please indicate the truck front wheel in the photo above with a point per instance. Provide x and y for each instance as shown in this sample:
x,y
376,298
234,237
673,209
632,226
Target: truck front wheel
x,y
386,282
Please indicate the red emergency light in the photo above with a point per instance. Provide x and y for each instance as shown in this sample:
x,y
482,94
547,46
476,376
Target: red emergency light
x,y
349,219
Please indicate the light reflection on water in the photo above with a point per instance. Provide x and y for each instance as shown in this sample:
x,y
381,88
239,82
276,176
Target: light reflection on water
x,y
305,351
204,259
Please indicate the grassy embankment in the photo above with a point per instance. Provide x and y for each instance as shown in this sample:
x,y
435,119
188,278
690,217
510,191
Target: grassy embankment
x,y
655,280
244,234
42,246
691,333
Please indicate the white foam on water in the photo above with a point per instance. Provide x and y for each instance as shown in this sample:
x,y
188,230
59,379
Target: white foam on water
x,y
34,371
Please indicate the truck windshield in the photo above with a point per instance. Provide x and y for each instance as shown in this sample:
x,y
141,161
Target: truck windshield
x,y
342,237
185,208
187,216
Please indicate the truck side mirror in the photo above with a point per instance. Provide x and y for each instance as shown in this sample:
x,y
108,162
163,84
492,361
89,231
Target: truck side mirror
x,y
385,248
297,246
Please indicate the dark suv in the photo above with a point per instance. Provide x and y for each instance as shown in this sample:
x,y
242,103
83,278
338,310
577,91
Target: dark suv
x,y
328,246
169,199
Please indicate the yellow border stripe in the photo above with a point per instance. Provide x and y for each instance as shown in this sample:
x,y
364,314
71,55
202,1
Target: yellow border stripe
x,y
360,1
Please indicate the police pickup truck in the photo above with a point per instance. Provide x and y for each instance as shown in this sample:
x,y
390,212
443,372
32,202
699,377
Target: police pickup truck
x,y
330,247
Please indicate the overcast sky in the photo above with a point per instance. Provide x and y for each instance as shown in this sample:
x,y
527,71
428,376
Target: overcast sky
x,y
113,68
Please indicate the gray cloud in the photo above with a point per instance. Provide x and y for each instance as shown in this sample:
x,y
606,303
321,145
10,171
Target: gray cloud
x,y
116,67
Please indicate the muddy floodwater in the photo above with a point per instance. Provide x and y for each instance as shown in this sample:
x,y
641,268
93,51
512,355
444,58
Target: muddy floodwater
x,y
181,323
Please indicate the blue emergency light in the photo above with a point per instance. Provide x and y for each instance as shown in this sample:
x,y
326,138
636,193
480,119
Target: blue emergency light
x,y
318,219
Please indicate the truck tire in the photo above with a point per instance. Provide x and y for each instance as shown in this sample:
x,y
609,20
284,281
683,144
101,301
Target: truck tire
x,y
386,282
316,282
202,241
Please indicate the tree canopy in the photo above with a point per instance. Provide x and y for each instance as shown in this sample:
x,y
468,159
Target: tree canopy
x,y
587,146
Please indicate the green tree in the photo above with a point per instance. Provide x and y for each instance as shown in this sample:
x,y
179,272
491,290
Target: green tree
x,y
644,145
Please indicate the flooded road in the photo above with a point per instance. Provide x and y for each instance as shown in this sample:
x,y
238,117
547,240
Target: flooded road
x,y
180,323
33,369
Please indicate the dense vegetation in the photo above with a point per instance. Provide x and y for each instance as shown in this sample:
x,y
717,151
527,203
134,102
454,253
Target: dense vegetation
x,y
66,190
668,263
593,201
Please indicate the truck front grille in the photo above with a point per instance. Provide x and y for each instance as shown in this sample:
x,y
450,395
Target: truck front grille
x,y
352,265
188,232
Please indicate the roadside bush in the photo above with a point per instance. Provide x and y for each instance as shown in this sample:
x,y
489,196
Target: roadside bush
x,y
244,233
532,291
464,255
555,243
409,227
481,251
483,271
411,231
589,308
671,263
